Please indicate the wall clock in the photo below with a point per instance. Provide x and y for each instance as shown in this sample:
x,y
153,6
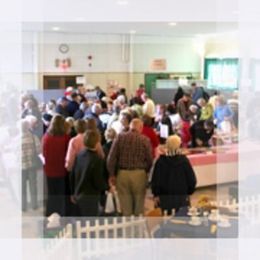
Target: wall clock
x,y
64,48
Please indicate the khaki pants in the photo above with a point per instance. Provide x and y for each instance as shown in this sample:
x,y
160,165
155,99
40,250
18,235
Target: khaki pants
x,y
131,188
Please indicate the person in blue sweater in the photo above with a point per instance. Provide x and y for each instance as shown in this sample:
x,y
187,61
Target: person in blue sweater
x,y
73,105
222,111
197,93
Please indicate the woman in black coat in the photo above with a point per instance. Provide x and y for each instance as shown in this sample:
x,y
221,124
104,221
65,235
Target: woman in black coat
x,y
178,95
173,178
87,177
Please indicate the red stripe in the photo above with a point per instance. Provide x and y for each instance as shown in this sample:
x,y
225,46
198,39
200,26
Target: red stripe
x,y
205,159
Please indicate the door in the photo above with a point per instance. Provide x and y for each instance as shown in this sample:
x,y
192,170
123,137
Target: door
x,y
59,82
150,80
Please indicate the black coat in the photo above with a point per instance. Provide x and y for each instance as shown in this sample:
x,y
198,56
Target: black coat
x,y
87,176
173,181
178,95
198,131
101,94
61,111
72,107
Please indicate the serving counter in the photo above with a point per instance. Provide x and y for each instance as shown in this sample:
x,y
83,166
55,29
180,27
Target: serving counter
x,y
215,166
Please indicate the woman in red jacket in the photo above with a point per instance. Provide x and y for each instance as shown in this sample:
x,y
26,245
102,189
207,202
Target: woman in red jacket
x,y
149,132
55,144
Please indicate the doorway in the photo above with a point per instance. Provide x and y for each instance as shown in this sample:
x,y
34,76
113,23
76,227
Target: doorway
x,y
59,82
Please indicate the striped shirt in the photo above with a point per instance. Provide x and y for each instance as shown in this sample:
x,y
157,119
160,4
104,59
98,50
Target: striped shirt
x,y
30,149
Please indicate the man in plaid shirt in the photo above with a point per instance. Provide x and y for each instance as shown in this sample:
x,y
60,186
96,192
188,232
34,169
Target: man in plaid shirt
x,y
30,150
128,162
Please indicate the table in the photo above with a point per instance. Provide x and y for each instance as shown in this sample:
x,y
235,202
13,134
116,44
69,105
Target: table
x,y
168,229
216,167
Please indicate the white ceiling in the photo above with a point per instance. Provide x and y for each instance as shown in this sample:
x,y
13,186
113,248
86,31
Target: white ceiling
x,y
182,29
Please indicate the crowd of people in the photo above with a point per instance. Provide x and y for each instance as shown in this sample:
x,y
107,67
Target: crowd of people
x,y
108,143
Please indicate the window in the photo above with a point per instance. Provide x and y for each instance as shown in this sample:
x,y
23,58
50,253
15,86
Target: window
x,y
221,73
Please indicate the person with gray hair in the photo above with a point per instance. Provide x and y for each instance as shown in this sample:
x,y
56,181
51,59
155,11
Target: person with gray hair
x,y
148,106
31,120
194,113
222,111
30,149
173,177
96,110
62,105
110,136
50,107
31,108
128,163
35,125
80,113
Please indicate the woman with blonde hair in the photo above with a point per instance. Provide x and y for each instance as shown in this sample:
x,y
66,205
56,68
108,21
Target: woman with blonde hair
x,y
110,135
173,177
70,126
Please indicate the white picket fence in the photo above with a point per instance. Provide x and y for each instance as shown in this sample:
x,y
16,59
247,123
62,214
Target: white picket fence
x,y
109,233
124,227
54,246
116,227
131,227
247,207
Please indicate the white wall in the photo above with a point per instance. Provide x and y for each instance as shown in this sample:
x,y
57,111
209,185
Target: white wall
x,y
223,46
106,58
108,52
180,57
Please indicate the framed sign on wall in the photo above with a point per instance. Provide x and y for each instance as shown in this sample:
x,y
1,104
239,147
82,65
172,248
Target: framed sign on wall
x,y
158,65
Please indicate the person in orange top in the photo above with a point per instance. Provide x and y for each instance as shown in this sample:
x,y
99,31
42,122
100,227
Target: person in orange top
x,y
76,144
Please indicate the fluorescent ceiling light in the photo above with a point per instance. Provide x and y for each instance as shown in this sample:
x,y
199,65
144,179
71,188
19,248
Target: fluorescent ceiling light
x,y
172,24
55,28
